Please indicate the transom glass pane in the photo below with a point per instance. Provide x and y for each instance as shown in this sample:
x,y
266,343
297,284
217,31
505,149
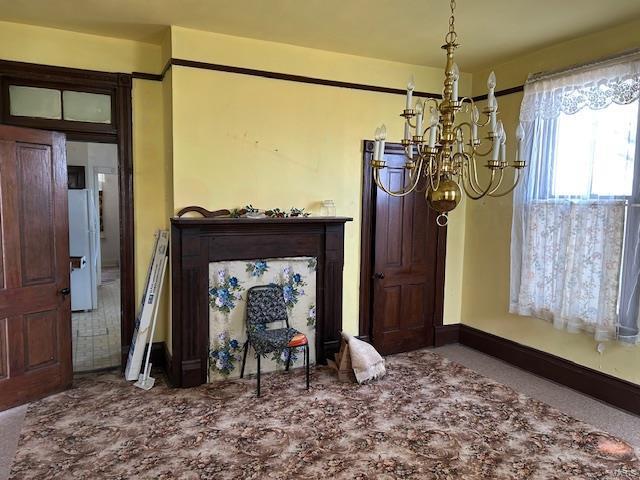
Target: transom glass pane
x,y
34,102
86,107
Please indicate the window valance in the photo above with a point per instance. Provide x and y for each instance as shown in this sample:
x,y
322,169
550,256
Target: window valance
x,y
595,86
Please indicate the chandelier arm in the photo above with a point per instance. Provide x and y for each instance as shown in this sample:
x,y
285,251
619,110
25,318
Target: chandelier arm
x,y
510,189
399,193
474,168
495,189
417,171
484,192
481,154
475,187
436,174
458,129
433,100
418,175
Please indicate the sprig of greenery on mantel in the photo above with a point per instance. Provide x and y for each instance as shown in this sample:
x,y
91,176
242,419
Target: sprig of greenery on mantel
x,y
273,213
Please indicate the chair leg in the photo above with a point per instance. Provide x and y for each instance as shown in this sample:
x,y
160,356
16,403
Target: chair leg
x,y
286,368
306,358
258,389
244,358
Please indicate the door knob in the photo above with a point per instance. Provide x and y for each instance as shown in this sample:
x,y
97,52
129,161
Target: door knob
x,y
378,275
64,292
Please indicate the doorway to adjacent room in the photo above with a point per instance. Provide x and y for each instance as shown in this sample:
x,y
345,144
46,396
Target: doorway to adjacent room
x,y
93,110
94,247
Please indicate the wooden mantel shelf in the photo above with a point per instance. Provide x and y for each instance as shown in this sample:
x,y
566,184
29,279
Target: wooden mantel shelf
x,y
195,242
268,220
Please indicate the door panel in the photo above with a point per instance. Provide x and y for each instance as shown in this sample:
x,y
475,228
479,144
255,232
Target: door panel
x,y
4,349
405,252
35,319
34,187
41,339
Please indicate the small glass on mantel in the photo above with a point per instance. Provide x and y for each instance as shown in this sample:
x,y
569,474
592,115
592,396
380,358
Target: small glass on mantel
x,y
328,208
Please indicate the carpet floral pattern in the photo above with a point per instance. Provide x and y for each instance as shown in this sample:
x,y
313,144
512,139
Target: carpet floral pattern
x,y
427,419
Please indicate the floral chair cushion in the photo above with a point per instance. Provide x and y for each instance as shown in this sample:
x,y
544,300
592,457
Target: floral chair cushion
x,y
267,341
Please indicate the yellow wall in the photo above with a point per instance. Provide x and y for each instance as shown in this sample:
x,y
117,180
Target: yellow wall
x,y
69,49
240,139
488,224
278,143
198,126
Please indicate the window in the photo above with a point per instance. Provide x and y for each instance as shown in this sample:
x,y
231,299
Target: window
x,y
595,152
576,215
57,106
86,107
35,102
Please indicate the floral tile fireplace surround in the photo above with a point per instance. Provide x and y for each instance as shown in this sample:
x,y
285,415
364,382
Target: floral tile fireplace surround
x,y
214,261
228,286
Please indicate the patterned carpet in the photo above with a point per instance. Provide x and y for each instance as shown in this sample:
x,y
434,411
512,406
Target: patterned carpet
x,y
428,419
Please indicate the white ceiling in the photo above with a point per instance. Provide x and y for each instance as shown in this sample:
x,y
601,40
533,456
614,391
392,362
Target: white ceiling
x,y
408,31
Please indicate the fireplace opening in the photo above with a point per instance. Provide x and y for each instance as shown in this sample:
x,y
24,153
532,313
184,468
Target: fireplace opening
x,y
228,283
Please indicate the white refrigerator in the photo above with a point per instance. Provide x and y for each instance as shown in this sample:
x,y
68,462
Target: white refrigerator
x,y
84,241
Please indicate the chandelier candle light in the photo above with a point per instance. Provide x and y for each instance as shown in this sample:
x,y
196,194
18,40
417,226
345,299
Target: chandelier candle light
x,y
442,158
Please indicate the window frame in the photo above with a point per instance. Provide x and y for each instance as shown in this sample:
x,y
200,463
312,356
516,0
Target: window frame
x,y
633,198
50,123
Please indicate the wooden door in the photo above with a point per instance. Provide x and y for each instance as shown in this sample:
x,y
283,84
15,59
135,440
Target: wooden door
x,y
404,265
35,311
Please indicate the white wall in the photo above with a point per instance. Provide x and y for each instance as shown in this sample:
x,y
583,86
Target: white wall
x,y
110,235
101,158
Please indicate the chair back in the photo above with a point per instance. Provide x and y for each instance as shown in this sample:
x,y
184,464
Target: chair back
x,y
265,304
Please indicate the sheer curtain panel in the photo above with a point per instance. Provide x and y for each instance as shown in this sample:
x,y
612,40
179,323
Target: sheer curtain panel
x,y
574,214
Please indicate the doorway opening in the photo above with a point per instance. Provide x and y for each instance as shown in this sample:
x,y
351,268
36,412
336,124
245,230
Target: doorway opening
x,y
94,247
93,110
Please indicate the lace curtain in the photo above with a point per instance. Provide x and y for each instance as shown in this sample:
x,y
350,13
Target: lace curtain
x,y
595,88
569,213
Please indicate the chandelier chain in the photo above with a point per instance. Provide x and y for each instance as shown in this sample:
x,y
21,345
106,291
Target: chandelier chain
x,y
452,35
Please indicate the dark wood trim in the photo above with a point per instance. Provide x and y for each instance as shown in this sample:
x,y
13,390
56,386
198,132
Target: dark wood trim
x,y
446,334
501,93
124,121
178,62
195,242
49,73
154,77
367,246
604,387
120,132
367,235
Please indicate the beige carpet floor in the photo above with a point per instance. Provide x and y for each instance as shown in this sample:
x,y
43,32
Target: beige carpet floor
x,y
428,419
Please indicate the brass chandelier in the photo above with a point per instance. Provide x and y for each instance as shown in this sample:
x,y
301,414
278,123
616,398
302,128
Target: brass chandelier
x,y
442,157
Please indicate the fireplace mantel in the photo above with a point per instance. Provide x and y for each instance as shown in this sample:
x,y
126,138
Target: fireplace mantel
x,y
195,242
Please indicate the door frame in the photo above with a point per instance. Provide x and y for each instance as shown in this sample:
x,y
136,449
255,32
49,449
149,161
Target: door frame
x,y
367,247
119,132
